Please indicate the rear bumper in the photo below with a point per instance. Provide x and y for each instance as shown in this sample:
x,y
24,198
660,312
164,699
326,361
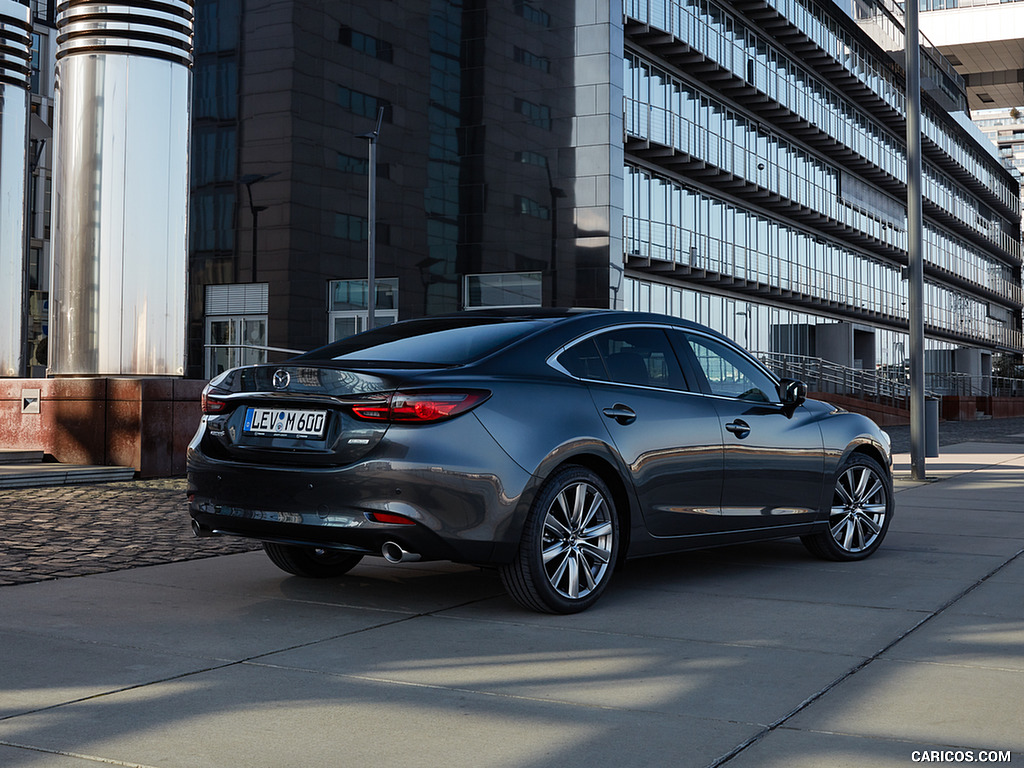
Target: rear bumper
x,y
458,487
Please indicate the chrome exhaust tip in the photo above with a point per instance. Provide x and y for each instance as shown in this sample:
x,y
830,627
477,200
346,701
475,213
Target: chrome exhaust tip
x,y
394,553
199,532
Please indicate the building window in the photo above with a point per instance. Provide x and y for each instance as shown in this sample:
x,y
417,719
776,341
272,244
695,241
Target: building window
x,y
236,326
527,207
35,83
507,289
363,103
528,10
357,165
349,227
352,164
536,114
346,306
531,158
524,57
354,229
212,220
371,46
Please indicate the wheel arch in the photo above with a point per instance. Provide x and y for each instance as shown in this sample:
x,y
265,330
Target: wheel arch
x,y
872,451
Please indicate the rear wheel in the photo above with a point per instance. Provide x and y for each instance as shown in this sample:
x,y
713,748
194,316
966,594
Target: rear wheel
x,y
569,546
859,518
311,562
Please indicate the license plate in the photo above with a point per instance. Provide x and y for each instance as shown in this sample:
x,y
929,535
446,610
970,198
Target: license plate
x,y
285,421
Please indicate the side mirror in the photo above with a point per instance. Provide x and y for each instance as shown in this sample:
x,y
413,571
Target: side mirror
x,y
792,392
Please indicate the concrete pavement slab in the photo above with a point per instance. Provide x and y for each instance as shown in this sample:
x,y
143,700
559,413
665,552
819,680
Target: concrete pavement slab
x,y
207,625
734,620
1001,596
373,584
261,717
788,748
960,519
731,683
968,707
938,542
966,641
75,669
30,758
903,580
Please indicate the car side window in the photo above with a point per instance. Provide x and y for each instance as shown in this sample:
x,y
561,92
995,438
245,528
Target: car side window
x,y
729,373
584,361
641,357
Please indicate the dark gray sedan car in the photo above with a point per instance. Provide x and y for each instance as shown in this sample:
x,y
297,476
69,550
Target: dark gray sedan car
x,y
551,445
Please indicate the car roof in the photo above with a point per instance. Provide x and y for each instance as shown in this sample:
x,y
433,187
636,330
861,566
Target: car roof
x,y
599,316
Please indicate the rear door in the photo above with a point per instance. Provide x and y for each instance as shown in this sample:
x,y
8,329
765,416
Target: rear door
x,y
668,436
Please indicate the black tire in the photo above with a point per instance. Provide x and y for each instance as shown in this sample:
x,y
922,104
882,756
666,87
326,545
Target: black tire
x,y
862,504
569,547
311,562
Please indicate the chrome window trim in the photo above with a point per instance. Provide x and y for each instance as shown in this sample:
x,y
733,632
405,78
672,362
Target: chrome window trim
x,y
552,360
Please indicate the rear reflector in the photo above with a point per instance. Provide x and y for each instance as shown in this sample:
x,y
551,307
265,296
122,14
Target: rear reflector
x,y
421,407
389,517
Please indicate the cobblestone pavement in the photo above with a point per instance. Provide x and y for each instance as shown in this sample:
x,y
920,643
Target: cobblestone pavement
x,y
953,432
74,530
48,533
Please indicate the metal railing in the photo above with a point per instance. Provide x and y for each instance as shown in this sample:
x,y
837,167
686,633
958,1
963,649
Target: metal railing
x,y
258,347
886,384
821,375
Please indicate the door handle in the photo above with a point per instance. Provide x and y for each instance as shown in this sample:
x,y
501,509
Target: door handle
x,y
739,428
621,413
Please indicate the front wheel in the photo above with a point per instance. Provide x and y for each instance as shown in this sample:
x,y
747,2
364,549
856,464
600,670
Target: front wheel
x,y
311,562
862,504
569,545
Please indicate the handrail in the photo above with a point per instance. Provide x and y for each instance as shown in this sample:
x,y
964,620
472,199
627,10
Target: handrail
x,y
260,347
886,383
826,376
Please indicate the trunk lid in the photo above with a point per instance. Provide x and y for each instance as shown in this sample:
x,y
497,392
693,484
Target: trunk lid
x,y
294,414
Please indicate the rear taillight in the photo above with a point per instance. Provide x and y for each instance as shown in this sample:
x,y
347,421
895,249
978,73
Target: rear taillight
x,y
211,403
421,407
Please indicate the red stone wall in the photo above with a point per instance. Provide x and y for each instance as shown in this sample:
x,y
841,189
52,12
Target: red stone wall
x,y
144,423
882,415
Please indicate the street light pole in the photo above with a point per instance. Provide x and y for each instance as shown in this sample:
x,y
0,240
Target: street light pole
x,y
248,180
915,241
371,235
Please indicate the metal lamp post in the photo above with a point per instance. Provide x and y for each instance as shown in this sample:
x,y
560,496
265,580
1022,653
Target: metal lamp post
x,y
248,180
371,235
915,242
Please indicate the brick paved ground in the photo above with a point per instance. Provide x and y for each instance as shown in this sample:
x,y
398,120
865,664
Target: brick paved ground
x,y
74,530
48,533
954,432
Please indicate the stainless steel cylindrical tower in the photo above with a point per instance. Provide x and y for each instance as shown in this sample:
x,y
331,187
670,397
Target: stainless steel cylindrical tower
x,y
120,186
15,60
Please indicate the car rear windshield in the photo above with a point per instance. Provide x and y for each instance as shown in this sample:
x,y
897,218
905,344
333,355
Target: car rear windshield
x,y
441,341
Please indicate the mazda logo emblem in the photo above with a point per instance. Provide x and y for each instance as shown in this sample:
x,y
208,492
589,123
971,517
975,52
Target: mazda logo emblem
x,y
281,379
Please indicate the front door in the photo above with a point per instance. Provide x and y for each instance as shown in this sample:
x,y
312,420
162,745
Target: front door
x,y
774,457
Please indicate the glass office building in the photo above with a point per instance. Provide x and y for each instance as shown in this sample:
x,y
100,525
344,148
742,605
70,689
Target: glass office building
x,y
738,163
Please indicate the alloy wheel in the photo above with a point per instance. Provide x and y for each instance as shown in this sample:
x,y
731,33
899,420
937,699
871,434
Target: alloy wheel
x,y
578,539
859,508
